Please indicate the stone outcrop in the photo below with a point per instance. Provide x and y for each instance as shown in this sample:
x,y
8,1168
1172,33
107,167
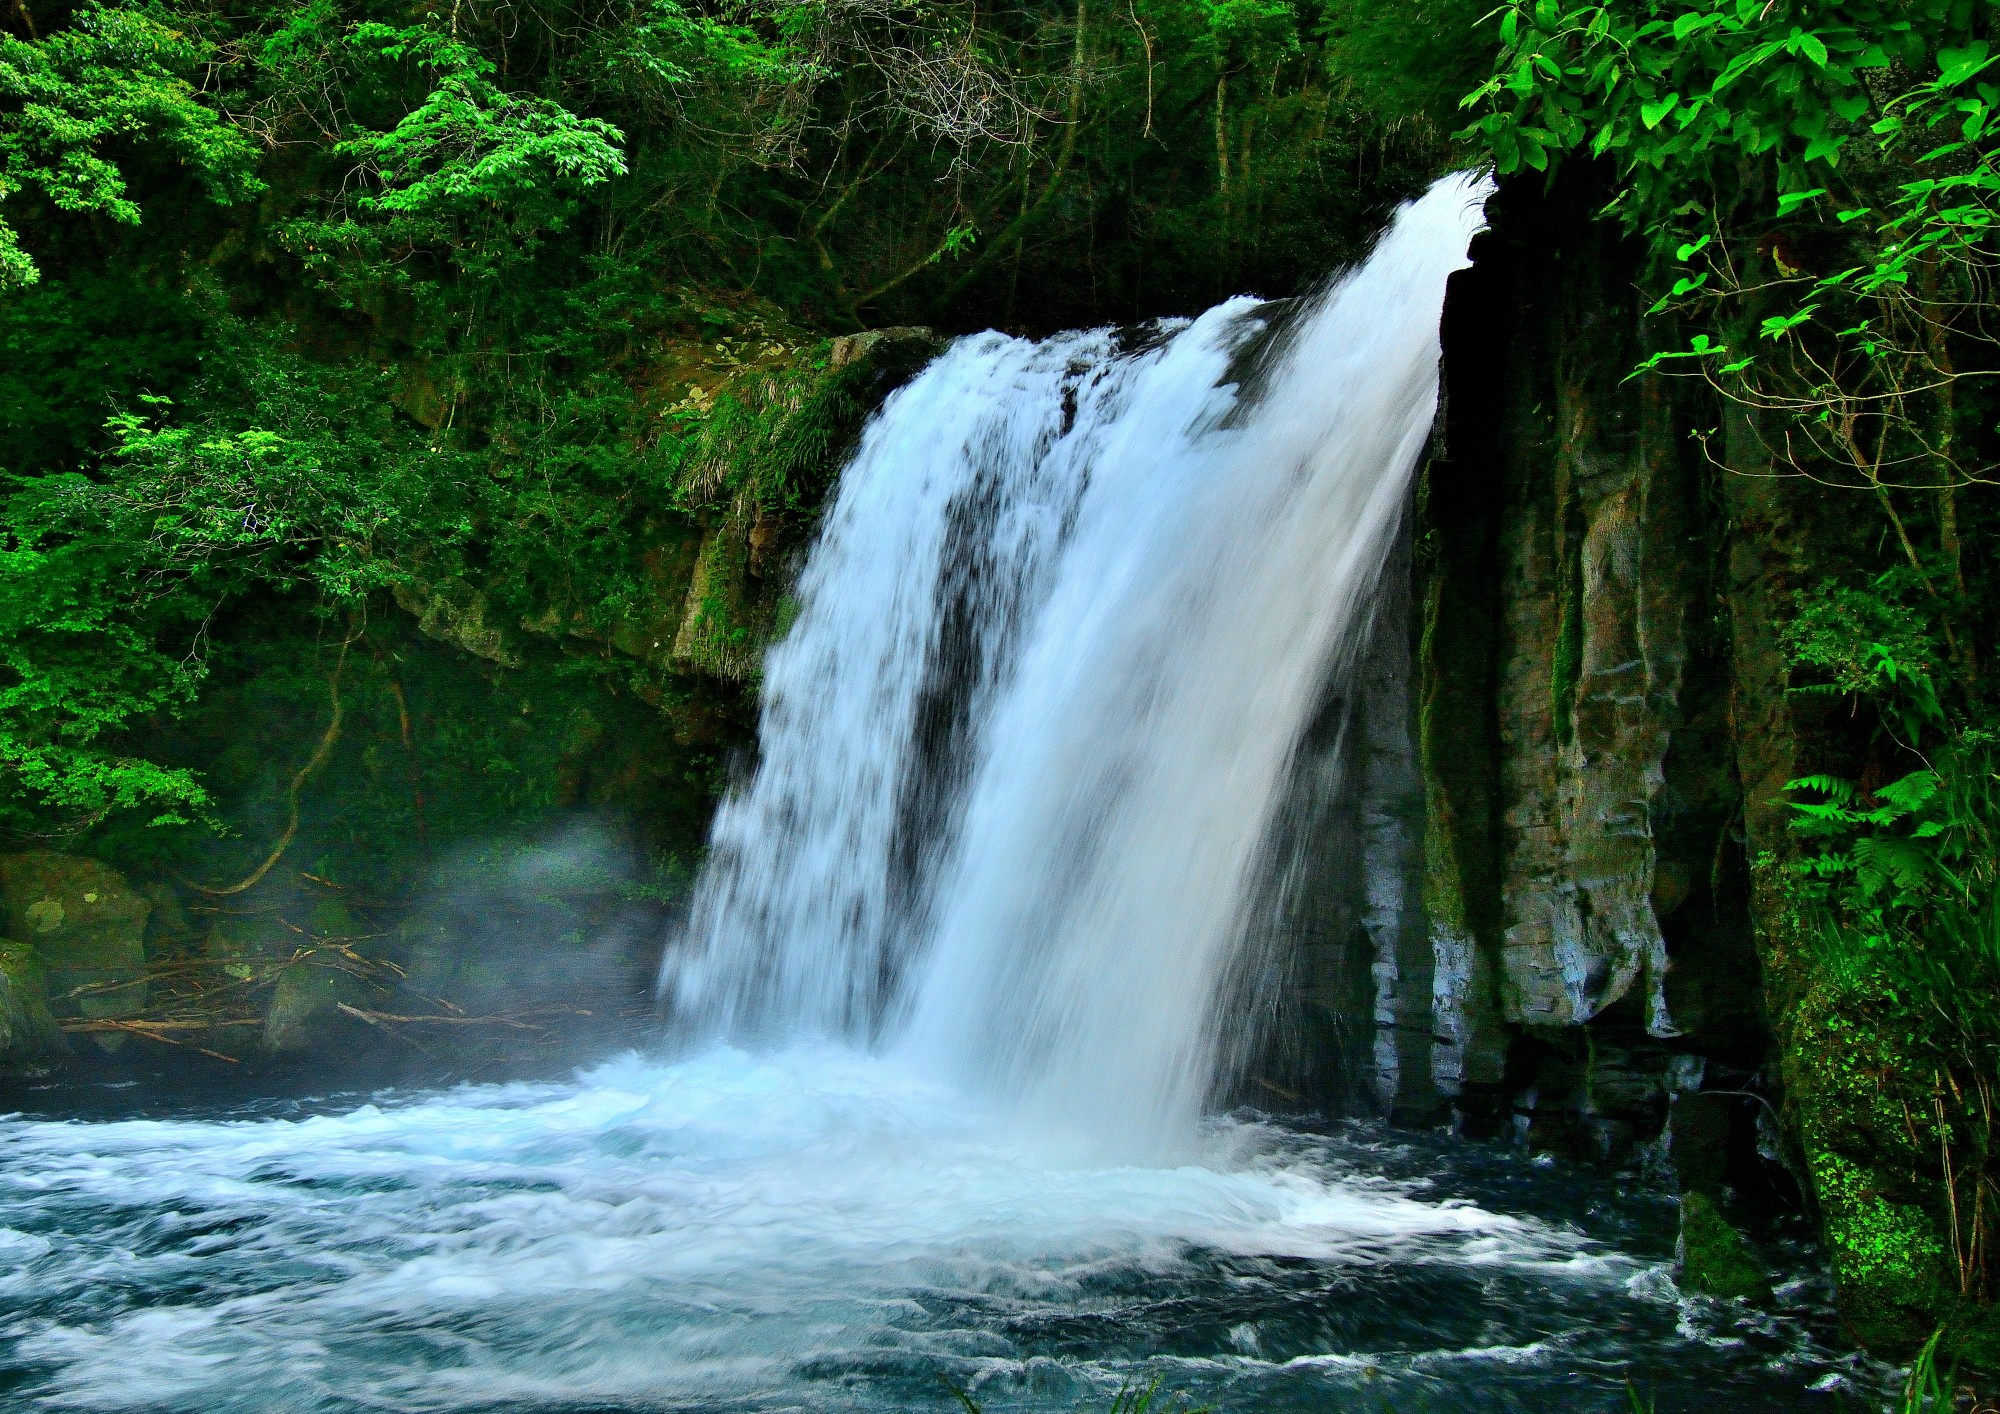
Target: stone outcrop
x,y
304,1012
1713,1259
29,1035
1583,889
710,590
87,926
1606,728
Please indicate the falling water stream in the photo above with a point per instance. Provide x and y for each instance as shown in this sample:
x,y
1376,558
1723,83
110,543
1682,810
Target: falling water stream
x,y
968,971
1072,609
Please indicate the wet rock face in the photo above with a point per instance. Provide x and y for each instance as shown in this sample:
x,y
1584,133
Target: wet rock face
x,y
305,1010
1712,1257
1607,727
29,1036
1588,702
1583,867
87,926
1591,654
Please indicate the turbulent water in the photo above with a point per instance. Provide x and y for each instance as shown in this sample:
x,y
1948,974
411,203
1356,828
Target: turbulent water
x,y
818,1230
1072,610
967,968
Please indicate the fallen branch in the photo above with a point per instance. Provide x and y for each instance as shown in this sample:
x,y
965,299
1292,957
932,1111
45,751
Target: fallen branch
x,y
509,1021
99,1023
373,1019
152,1031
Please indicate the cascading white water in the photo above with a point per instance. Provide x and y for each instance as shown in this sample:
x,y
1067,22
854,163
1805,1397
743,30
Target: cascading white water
x,y
1020,754
1071,611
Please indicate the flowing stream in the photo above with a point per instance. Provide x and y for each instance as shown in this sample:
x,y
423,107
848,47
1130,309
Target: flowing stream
x,y
969,969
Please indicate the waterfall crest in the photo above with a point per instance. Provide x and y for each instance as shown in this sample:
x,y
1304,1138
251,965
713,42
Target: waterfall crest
x,y
1073,605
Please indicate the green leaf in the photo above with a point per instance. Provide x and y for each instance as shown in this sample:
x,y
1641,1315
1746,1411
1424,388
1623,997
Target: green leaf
x,y
1955,66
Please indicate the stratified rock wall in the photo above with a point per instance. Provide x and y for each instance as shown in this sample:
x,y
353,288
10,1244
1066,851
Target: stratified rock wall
x,y
1605,568
1590,664
1541,797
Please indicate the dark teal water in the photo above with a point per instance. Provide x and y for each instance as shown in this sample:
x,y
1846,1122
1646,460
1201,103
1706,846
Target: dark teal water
x,y
816,1231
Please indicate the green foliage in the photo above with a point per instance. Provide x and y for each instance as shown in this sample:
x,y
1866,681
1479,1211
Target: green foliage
x,y
1931,1387
119,76
530,303
1414,60
1882,858
74,350
1782,161
1898,885
76,666
768,441
1869,642
468,142
470,167
1680,90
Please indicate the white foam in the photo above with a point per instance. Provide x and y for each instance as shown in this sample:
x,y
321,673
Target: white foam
x,y
1023,750
693,1230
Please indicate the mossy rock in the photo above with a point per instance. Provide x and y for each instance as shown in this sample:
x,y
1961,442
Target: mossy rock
x,y
727,621
304,1013
168,926
87,926
333,921
243,944
29,1035
1714,1259
1889,1259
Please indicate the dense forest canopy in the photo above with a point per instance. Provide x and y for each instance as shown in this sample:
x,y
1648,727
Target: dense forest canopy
x,y
311,306
307,302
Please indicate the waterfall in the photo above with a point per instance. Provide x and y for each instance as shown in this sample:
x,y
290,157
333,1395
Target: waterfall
x,y
969,959
1072,607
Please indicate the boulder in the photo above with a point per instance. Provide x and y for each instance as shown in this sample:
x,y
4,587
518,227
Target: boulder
x,y
29,1036
304,1011
87,926
246,944
168,927
1714,1258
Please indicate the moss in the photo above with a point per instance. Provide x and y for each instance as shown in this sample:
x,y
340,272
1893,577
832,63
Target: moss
x,y
332,919
1888,1256
1714,1258
1461,864
1459,752
1566,671
727,623
1856,1085
29,1035
770,440
305,1007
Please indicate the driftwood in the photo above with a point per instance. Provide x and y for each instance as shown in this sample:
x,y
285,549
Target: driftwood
x,y
156,1031
514,1020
